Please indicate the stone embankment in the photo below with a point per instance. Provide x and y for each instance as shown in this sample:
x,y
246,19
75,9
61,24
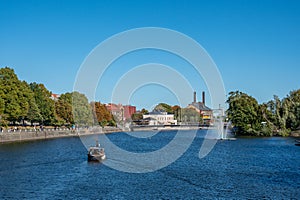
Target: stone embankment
x,y
22,135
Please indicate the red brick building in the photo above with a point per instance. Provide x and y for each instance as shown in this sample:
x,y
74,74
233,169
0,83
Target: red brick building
x,y
128,111
121,112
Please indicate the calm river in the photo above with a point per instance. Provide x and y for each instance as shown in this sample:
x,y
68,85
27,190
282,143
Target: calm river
x,y
248,168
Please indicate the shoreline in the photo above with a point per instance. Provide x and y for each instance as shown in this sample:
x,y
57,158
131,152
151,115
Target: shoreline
x,y
24,136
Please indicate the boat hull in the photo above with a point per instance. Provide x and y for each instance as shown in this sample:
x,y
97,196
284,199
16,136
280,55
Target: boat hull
x,y
231,139
95,158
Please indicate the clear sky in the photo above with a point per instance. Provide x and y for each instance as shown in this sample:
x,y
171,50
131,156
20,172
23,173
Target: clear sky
x,y
254,43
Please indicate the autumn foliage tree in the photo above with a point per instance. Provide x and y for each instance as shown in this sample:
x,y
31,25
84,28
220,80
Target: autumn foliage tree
x,y
101,115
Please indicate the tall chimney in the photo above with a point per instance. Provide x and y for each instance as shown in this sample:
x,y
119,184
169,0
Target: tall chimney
x,y
203,98
195,99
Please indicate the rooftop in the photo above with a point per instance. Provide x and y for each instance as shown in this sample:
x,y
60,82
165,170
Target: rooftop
x,y
200,106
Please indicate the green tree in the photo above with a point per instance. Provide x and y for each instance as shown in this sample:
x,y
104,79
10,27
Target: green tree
x,y
293,119
2,116
281,108
45,104
189,115
277,116
164,108
15,95
63,109
267,118
2,105
243,112
82,112
144,111
176,110
139,115
33,114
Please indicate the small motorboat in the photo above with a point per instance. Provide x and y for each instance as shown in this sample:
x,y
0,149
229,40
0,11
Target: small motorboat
x,y
297,144
96,153
231,139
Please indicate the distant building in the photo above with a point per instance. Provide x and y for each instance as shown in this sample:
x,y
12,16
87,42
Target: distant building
x,y
128,111
55,96
205,112
115,110
159,118
121,112
113,107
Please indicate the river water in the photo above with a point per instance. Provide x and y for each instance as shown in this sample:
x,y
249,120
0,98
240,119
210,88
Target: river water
x,y
248,168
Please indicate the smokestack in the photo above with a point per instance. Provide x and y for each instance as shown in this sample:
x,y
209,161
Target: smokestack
x,y
195,97
203,98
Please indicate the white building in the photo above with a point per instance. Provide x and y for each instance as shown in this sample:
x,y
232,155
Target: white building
x,y
55,96
160,118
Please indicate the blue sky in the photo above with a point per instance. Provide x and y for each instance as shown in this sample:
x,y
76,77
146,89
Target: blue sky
x,y
255,44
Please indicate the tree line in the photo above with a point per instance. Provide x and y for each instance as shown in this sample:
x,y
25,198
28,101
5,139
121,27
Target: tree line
x,y
276,117
22,102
